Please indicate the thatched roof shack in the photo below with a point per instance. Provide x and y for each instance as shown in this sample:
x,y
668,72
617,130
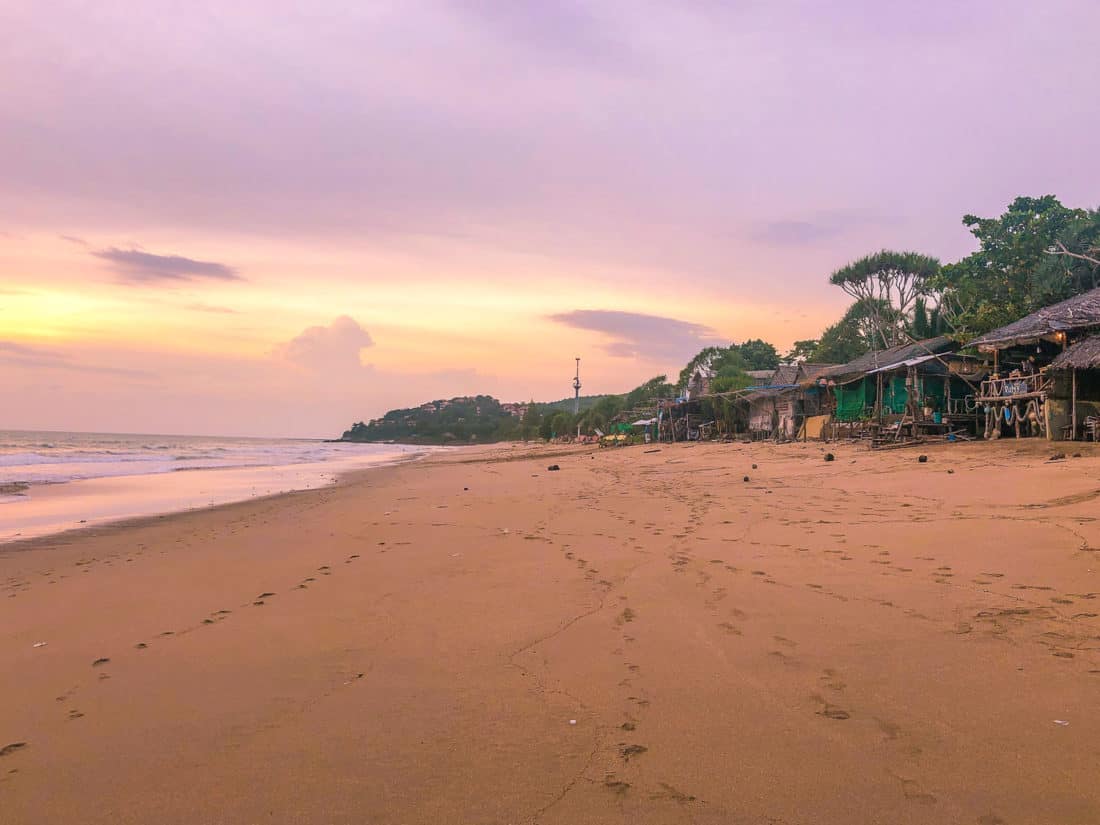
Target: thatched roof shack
x,y
1076,314
791,394
878,359
860,386
1084,355
1074,401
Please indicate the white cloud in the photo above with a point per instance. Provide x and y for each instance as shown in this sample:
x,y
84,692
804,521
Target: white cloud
x,y
331,349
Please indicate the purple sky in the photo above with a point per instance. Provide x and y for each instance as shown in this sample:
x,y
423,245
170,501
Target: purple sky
x,y
272,167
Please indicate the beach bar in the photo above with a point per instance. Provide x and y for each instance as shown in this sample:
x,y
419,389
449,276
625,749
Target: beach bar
x,y
1026,394
917,388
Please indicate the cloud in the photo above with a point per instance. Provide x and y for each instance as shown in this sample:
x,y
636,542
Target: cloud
x,y
73,239
331,349
563,30
798,233
636,335
824,225
20,355
11,351
201,307
136,266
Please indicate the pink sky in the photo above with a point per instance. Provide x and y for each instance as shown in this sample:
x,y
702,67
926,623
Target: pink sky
x,y
277,218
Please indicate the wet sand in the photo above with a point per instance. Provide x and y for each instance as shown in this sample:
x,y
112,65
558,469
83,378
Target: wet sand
x,y
868,640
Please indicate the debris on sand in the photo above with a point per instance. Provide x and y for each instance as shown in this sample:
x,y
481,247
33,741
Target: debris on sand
x,y
553,467
830,457
923,459
1057,457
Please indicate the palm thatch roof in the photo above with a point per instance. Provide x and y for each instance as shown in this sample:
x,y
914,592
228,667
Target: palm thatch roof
x,y
1084,355
1079,312
894,355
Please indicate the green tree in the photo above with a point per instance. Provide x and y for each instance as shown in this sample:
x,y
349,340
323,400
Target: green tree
x,y
847,339
531,422
803,350
887,285
758,354
1014,272
707,355
1075,255
927,322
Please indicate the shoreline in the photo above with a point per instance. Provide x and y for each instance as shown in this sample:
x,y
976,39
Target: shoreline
x,y
75,489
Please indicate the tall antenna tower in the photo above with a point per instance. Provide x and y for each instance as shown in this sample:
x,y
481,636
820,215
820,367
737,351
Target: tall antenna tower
x,y
577,388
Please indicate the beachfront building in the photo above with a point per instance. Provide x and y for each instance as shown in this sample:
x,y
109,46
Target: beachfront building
x,y
1075,374
1026,394
777,409
915,389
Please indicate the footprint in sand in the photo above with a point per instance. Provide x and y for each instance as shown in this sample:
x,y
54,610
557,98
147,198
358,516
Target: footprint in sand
x,y
616,786
829,710
626,616
914,793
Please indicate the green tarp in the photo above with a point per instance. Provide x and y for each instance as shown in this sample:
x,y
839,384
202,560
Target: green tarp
x,y
857,399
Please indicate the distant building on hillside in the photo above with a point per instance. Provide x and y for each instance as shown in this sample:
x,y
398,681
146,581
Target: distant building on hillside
x,y
700,380
761,378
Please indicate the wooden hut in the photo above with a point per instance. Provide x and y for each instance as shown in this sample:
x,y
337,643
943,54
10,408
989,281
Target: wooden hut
x,y
1021,395
1076,373
778,409
873,387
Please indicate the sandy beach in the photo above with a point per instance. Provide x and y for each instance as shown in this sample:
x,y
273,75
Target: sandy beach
x,y
642,637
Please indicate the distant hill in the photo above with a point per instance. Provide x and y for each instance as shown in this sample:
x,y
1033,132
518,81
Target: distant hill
x,y
587,401
464,420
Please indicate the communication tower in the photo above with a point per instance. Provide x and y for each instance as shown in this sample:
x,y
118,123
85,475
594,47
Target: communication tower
x,y
577,388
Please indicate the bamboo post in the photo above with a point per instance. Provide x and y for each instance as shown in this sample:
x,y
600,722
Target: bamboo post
x,y
1073,408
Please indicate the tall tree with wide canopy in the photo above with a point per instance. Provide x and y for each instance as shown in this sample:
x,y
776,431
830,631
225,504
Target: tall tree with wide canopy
x,y
1015,271
887,285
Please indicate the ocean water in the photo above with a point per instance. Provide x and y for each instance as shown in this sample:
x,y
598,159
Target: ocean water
x,y
51,481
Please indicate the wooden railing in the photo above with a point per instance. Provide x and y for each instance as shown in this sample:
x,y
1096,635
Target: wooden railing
x,y
1015,387
962,406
